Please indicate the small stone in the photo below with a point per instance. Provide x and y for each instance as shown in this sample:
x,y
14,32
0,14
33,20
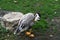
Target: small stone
x,y
8,35
15,1
54,12
0,8
56,0
6,39
52,19
51,35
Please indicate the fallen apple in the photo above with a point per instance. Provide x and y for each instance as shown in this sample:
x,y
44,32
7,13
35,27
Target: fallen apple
x,y
28,33
32,35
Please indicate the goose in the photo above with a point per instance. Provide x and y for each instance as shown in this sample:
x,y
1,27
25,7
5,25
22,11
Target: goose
x,y
27,21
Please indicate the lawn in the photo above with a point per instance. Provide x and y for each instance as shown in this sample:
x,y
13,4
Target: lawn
x,y
49,9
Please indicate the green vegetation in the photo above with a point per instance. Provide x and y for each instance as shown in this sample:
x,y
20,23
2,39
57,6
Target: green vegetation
x,y
47,8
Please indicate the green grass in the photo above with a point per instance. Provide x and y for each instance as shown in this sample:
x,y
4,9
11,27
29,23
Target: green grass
x,y
47,9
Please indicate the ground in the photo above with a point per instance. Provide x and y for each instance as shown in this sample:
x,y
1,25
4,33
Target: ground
x,y
48,28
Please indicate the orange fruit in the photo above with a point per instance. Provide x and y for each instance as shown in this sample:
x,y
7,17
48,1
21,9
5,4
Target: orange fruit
x,y
32,35
28,33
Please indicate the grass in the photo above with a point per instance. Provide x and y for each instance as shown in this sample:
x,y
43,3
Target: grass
x,y
47,8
